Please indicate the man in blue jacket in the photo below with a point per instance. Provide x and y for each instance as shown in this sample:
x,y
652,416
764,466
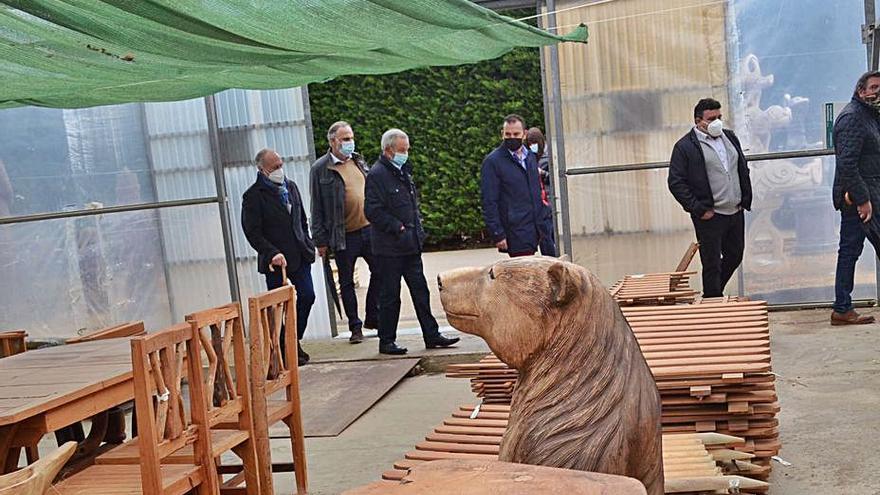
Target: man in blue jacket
x,y
511,188
392,208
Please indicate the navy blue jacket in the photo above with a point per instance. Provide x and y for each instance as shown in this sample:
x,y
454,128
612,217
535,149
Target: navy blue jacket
x,y
270,229
688,180
857,149
512,206
392,207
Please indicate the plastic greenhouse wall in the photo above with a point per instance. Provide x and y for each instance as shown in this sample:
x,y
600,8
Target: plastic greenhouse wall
x,y
64,277
628,95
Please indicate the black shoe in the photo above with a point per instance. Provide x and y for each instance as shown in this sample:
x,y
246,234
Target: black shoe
x,y
392,348
371,324
440,341
302,355
357,336
301,361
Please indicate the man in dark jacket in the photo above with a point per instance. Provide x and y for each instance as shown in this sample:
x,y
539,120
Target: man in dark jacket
x,y
709,176
393,210
339,225
274,222
856,189
511,191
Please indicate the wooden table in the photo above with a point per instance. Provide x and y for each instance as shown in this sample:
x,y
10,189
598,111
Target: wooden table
x,y
45,390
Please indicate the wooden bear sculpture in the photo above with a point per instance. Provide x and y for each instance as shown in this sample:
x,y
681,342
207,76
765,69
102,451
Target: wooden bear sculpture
x,y
585,398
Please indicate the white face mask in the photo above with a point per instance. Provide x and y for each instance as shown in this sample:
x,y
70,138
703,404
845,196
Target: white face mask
x,y
714,128
277,175
534,148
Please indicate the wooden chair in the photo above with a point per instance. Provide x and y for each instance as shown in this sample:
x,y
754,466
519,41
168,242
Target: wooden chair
x,y
130,329
158,362
37,478
272,374
12,343
108,426
221,338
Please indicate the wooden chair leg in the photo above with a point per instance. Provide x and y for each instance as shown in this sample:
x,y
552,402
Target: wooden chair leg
x,y
298,449
32,454
12,459
248,455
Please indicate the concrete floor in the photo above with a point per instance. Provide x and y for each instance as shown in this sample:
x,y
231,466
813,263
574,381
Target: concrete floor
x,y
828,385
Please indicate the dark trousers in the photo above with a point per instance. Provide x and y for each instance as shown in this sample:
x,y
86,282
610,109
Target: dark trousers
x,y
390,270
722,240
305,294
547,242
357,244
852,240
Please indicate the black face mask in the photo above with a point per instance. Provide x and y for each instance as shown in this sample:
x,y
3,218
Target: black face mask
x,y
513,144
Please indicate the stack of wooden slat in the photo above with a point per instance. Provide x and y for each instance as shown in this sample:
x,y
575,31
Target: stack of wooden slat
x,y
653,288
691,462
711,363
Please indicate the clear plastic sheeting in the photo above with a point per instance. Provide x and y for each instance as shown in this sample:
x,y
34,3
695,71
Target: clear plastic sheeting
x,y
63,277
792,234
619,237
628,96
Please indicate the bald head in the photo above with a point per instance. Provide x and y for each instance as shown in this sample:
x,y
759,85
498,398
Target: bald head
x,y
267,160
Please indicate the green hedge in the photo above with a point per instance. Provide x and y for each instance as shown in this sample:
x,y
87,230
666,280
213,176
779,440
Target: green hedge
x,y
452,116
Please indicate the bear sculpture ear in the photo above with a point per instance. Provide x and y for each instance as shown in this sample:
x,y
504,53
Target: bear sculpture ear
x,y
564,284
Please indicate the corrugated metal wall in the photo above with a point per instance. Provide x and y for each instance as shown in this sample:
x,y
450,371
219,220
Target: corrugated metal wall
x,y
628,95
181,155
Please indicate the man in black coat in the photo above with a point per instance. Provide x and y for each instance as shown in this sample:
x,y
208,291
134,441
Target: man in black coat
x,y
393,211
709,177
337,182
274,222
856,189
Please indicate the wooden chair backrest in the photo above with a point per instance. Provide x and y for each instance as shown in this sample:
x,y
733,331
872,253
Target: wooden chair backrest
x,y
273,367
160,362
12,343
221,334
688,257
37,478
129,329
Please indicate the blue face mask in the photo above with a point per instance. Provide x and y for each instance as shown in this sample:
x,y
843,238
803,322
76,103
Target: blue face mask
x,y
347,148
399,159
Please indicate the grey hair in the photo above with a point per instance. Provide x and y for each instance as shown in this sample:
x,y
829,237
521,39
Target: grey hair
x,y
390,137
258,161
331,133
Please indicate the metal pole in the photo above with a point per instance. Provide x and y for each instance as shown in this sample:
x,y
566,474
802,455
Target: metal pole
x,y
559,151
545,91
222,202
869,31
310,139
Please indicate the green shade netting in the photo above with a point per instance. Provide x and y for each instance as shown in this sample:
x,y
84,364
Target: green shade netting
x,y
79,53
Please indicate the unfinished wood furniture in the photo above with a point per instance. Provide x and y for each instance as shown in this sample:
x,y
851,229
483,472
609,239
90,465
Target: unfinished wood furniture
x,y
692,463
711,363
161,362
688,257
275,382
654,288
36,478
221,344
487,477
44,390
12,343
109,425
130,329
